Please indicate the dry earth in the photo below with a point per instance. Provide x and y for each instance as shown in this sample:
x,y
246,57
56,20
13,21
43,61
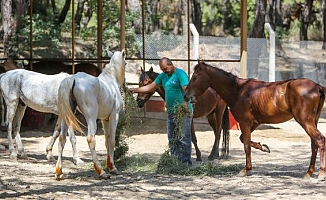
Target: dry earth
x,y
278,175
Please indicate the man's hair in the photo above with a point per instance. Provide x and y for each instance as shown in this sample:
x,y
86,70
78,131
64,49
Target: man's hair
x,y
166,60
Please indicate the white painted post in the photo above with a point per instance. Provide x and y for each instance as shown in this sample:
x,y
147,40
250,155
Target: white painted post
x,y
271,76
195,40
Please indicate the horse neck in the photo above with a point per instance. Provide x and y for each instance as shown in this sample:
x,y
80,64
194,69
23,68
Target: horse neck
x,y
224,83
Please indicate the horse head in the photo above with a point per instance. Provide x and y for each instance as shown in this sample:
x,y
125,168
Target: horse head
x,y
145,78
198,82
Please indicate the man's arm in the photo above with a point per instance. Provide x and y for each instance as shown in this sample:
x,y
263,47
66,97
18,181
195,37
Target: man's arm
x,y
145,89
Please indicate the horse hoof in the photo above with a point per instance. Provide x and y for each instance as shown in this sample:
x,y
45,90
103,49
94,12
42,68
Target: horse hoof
x,y
115,172
50,158
79,162
321,176
242,173
212,157
198,159
13,157
105,176
265,148
59,177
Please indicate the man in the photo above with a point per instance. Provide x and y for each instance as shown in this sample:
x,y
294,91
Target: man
x,y
174,81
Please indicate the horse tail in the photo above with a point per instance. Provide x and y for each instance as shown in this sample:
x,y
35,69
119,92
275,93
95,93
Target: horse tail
x,y
322,91
226,131
65,101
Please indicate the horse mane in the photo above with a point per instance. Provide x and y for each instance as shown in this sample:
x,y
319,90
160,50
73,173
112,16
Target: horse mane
x,y
117,63
216,68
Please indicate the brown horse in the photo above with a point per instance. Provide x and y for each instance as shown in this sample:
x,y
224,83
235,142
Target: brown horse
x,y
55,67
254,102
210,105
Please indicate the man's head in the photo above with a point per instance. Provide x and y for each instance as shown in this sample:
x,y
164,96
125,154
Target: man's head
x,y
167,66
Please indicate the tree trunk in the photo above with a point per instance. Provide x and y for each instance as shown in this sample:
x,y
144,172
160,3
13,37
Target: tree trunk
x,y
177,17
64,12
197,16
324,23
257,30
305,21
225,14
88,14
79,13
8,23
155,22
54,7
134,6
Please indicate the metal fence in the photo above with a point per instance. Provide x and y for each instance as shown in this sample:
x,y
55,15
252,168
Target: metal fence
x,y
291,60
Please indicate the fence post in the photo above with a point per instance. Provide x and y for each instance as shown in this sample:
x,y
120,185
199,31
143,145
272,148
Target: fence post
x,y
195,40
271,76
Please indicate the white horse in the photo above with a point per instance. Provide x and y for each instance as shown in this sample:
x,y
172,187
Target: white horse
x,y
21,88
96,98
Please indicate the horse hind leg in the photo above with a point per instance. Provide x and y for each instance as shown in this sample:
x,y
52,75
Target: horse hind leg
x,y
92,127
72,137
61,145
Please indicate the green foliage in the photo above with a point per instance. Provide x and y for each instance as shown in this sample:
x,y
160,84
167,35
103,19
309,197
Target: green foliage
x,y
169,165
130,109
46,34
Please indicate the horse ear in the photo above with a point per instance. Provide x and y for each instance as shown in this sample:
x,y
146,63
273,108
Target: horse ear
x,y
110,53
142,70
123,53
151,69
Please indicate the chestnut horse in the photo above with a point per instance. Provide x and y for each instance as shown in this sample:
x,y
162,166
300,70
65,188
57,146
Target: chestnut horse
x,y
210,105
55,67
253,102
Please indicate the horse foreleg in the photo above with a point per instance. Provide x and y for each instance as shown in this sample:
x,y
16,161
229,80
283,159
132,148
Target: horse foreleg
x,y
215,123
61,145
49,147
16,129
92,127
10,117
109,127
194,141
245,139
257,145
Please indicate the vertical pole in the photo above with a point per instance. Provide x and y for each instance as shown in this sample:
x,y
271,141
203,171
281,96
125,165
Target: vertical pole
x,y
123,25
99,31
31,34
271,74
188,35
73,35
243,42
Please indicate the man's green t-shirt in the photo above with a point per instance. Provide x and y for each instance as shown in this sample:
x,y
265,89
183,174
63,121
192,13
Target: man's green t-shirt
x,y
173,88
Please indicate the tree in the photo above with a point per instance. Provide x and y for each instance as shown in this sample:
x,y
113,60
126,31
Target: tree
x,y
305,21
197,16
7,22
257,30
64,12
324,23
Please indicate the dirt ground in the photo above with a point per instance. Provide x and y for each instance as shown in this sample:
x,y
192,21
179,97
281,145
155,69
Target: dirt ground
x,y
278,175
